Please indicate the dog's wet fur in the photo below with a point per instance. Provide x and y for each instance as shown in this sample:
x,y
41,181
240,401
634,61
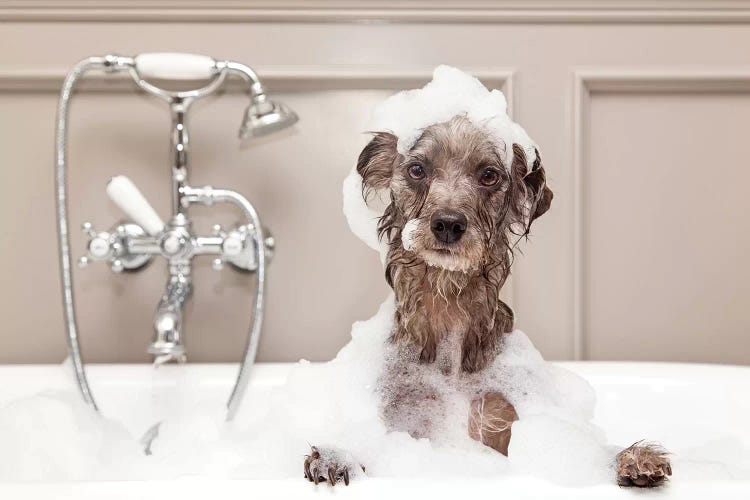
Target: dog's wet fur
x,y
467,211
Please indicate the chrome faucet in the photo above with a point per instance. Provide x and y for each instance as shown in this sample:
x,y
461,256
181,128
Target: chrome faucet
x,y
132,245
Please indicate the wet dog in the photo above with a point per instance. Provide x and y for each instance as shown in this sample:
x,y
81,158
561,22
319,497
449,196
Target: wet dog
x,y
456,213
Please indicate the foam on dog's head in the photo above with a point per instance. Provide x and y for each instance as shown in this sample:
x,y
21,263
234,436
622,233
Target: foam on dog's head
x,y
450,93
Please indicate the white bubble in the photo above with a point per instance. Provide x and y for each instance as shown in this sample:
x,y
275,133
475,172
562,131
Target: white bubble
x,y
407,235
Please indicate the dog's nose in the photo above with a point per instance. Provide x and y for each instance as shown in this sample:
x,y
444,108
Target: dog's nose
x,y
448,226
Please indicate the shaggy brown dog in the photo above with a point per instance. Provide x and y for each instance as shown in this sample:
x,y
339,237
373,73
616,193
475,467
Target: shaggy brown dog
x,y
455,214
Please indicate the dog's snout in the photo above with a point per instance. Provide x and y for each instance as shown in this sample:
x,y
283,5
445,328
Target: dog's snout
x,y
448,226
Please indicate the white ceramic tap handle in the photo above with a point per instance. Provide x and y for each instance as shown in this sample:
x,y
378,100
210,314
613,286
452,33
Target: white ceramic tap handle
x,y
175,66
130,200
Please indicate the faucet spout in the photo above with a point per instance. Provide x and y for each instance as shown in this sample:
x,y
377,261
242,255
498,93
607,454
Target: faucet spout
x,y
167,345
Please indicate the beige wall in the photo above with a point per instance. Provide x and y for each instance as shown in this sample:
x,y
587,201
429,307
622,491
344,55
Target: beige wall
x,y
641,110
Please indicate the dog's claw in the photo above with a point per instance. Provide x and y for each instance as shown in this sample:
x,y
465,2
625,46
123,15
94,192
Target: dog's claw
x,y
334,463
332,475
315,475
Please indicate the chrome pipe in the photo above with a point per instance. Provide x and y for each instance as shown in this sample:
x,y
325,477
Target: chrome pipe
x,y
144,245
110,63
66,279
248,74
209,196
180,149
208,245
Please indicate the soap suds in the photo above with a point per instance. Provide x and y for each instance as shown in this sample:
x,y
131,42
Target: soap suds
x,y
407,234
450,93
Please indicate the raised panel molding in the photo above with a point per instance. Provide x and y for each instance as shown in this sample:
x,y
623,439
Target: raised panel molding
x,y
624,80
435,11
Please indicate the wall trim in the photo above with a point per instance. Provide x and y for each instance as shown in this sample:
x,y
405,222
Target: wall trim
x,y
279,79
588,81
404,11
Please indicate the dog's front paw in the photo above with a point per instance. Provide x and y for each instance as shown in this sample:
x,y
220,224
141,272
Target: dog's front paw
x,y
643,465
330,464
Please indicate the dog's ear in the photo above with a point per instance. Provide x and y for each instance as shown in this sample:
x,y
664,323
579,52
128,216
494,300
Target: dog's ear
x,y
537,197
376,162
536,182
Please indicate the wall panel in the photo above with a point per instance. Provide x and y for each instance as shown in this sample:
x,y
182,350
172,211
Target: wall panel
x,y
586,78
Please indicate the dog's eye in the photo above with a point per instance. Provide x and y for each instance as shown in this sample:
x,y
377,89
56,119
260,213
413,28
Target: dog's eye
x,y
416,171
489,177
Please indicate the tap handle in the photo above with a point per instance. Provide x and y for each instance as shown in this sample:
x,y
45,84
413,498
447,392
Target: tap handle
x,y
175,66
130,200
100,246
112,247
238,247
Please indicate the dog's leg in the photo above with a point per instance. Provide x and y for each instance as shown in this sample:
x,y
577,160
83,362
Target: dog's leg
x,y
643,465
490,419
331,465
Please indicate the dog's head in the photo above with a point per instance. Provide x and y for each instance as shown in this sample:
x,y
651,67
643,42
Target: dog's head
x,y
453,203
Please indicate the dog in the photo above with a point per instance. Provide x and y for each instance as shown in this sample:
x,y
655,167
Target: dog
x,y
456,212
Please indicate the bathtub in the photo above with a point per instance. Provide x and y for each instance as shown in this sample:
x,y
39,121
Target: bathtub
x,y
700,408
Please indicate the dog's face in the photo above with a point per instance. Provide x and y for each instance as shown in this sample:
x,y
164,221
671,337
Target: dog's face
x,y
453,202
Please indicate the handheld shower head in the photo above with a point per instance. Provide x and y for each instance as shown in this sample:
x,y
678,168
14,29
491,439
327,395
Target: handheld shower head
x,y
264,117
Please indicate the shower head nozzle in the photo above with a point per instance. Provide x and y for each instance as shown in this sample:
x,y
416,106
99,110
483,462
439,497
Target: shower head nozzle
x,y
264,117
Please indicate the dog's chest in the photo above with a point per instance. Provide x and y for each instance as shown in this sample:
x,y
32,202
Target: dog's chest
x,y
448,324
448,352
416,396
